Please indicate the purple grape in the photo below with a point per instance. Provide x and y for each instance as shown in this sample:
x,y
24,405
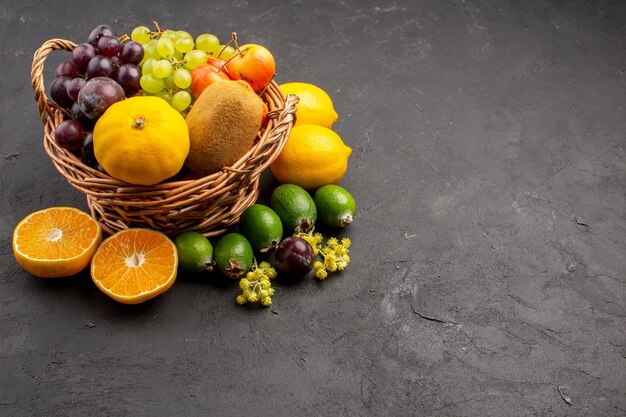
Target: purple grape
x,y
74,87
98,32
58,91
131,52
69,134
82,54
98,95
128,76
116,61
86,152
294,257
109,45
100,66
67,69
80,117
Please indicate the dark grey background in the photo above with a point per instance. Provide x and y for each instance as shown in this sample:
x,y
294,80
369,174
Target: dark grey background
x,y
489,170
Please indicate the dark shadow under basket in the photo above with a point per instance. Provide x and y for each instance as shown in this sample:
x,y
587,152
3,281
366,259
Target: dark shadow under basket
x,y
208,205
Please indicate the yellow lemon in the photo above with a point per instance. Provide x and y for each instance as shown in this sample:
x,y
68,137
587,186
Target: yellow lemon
x,y
315,106
313,156
141,140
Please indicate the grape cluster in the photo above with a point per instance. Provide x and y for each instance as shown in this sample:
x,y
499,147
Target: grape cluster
x,y
169,56
100,72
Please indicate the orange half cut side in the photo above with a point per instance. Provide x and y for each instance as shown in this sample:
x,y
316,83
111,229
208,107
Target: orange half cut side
x,y
135,265
56,242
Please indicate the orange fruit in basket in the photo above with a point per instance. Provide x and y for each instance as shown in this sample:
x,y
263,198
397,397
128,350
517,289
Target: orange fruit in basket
x,y
313,156
135,265
56,242
141,140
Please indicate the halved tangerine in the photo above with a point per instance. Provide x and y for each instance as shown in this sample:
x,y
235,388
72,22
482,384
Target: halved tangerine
x,y
56,242
135,265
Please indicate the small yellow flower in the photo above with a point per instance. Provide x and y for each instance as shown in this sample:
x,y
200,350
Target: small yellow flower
x,y
321,273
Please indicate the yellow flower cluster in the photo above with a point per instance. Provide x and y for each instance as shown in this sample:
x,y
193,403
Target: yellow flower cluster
x,y
256,286
335,256
314,239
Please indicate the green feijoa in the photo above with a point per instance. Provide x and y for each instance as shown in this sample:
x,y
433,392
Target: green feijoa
x,y
262,227
233,255
195,252
295,207
335,205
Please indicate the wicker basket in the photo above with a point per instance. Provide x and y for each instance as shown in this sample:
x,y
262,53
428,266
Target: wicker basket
x,y
208,205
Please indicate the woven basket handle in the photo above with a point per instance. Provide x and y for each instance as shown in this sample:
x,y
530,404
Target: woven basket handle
x,y
45,106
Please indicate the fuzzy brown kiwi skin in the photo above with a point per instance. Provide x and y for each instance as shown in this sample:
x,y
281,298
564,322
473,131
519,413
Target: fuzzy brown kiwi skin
x,y
223,124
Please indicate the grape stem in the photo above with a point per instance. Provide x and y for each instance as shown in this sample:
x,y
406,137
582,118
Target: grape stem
x,y
124,38
159,31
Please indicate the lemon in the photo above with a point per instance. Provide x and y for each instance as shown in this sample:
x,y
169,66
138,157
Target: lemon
x,y
313,156
141,140
315,106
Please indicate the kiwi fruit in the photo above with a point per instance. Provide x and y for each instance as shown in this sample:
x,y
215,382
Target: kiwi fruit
x,y
223,124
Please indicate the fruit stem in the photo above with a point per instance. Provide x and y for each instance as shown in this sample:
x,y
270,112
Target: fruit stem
x,y
209,266
159,31
124,38
233,39
139,123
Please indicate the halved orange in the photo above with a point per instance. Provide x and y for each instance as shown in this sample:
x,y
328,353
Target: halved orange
x,y
56,242
135,265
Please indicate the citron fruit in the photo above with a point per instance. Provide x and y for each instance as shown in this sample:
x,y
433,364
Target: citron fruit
x,y
135,265
233,255
335,205
141,140
195,252
262,227
313,156
315,106
223,123
295,208
56,242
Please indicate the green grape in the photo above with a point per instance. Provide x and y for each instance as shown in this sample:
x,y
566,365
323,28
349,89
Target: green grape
x,y
195,58
179,56
182,78
140,34
184,44
208,43
170,34
165,47
149,51
228,52
162,68
181,100
148,66
183,34
169,82
150,83
165,95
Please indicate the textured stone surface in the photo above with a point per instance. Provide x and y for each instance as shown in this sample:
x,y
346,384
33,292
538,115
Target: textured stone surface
x,y
489,269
